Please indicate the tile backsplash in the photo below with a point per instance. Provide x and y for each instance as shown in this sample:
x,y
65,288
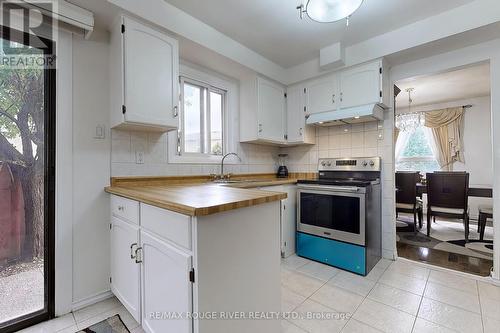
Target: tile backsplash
x,y
359,140
125,145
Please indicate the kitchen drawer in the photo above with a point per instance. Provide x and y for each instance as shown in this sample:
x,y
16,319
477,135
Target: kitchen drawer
x,y
125,209
172,226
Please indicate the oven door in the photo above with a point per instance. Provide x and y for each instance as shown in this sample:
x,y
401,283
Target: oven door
x,y
332,212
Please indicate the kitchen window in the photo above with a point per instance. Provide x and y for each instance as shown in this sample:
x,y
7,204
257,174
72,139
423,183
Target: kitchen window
x,y
201,130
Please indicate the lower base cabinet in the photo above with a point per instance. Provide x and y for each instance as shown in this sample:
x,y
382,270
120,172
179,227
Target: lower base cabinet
x,y
151,277
167,267
166,288
125,272
288,219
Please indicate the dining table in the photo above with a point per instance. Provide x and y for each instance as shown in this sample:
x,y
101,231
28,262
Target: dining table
x,y
474,191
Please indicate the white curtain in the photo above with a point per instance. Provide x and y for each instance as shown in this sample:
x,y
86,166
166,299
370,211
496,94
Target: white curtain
x,y
444,129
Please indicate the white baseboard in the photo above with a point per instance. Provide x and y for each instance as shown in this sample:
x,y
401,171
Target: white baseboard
x,y
96,298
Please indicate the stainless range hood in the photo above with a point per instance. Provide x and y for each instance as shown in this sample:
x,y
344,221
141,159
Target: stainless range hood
x,y
354,115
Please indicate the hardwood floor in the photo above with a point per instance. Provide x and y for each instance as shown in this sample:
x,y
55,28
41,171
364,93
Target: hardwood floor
x,y
458,262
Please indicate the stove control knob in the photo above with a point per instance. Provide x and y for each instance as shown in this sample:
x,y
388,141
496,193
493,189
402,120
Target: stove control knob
x,y
329,164
323,163
372,163
365,163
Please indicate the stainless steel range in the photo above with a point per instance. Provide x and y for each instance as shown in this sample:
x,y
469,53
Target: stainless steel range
x,y
339,214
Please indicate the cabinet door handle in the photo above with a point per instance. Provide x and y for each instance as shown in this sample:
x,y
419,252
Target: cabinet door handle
x,y
138,256
121,208
341,96
176,111
133,253
300,131
333,98
260,128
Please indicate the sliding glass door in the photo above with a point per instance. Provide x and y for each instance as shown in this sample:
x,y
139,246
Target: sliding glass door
x,y
27,173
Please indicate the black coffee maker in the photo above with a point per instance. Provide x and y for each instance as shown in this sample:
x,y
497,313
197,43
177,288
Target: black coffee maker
x,y
282,169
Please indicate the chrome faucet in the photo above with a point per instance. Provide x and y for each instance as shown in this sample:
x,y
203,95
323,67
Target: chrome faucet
x,y
222,176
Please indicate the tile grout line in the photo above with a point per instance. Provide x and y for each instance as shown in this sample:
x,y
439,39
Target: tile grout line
x,y
421,300
480,306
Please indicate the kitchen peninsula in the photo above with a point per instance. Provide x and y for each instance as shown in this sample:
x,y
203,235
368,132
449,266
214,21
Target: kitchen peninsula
x,y
192,246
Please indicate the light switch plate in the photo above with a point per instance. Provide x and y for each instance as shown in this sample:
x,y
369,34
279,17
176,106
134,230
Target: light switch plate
x,y
100,132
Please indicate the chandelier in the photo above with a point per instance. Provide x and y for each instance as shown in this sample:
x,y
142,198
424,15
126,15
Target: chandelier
x,y
410,121
328,11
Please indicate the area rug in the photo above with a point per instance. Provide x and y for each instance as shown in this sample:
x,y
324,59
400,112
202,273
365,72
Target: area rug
x,y
446,236
111,325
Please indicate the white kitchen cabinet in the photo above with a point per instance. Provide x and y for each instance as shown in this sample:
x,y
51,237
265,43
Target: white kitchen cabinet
x,y
288,218
361,85
173,263
297,132
165,285
271,110
144,77
262,111
322,95
289,221
125,272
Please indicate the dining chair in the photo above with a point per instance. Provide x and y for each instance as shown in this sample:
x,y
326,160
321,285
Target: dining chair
x,y
447,197
485,212
406,196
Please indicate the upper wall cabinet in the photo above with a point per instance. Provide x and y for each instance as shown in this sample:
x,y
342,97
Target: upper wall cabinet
x,y
144,78
322,95
297,131
262,111
361,85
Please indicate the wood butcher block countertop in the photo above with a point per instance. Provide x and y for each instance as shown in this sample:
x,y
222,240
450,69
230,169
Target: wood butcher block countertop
x,y
196,195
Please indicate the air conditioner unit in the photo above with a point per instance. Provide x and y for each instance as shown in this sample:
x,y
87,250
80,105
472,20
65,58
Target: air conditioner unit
x,y
67,13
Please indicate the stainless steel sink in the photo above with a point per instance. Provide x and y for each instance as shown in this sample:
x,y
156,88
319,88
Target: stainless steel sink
x,y
235,181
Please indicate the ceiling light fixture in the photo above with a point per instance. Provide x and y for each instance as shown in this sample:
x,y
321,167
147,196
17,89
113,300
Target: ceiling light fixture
x,y
328,11
410,121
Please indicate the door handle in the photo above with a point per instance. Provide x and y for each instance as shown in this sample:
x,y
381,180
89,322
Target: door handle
x,y
132,252
300,131
333,98
260,128
176,111
138,256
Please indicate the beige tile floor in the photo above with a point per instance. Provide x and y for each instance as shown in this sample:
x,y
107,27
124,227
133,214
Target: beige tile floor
x,y
398,297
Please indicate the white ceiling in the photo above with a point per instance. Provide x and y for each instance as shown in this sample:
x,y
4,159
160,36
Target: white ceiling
x,y
273,28
469,82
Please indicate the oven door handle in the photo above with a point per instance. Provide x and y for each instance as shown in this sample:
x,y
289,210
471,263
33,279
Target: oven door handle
x,y
330,188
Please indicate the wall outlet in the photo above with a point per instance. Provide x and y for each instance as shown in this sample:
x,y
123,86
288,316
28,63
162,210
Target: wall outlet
x,y
139,157
380,135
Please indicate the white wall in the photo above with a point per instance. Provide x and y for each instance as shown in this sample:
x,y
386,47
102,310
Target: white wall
x,y
477,143
91,169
